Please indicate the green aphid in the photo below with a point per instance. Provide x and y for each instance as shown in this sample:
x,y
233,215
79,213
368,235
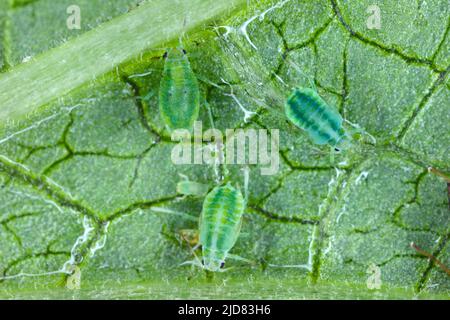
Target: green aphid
x,y
220,225
308,111
302,106
179,96
191,188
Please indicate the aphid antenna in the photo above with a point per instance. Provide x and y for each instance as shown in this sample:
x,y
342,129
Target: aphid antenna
x,y
180,38
264,105
178,213
299,70
194,262
31,275
183,176
279,79
207,81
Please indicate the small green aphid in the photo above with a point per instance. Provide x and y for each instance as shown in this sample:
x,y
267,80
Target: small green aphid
x,y
191,188
179,95
308,111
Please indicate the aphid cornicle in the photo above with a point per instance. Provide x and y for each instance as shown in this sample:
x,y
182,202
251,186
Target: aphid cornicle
x,y
179,96
308,111
220,224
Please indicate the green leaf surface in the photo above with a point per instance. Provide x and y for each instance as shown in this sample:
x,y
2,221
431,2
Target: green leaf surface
x,y
86,177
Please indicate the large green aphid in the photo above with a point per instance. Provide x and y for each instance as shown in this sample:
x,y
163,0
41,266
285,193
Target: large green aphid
x,y
220,221
308,111
179,95
219,224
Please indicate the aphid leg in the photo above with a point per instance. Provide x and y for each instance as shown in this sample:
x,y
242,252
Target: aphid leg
x,y
431,257
196,262
178,213
141,75
189,236
239,258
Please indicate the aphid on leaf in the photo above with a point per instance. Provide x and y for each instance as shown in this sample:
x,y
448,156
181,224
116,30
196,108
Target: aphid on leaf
x,y
179,95
308,111
303,106
220,225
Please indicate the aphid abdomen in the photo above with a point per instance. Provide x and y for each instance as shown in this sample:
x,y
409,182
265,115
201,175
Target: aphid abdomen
x,y
220,224
308,111
179,97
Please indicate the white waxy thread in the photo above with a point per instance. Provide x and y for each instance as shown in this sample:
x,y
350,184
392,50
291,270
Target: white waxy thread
x,y
308,265
38,123
261,16
362,176
247,113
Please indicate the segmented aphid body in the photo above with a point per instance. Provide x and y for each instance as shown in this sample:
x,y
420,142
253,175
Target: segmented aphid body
x,y
308,111
220,224
179,97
